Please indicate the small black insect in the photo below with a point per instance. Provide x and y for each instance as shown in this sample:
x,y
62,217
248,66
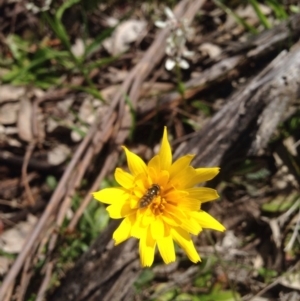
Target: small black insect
x,y
150,194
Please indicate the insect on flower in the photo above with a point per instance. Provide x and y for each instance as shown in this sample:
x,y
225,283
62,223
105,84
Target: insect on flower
x,y
150,194
160,203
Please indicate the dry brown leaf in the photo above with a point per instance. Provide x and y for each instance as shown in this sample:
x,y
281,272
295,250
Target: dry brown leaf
x,y
115,76
4,264
59,154
12,240
14,142
87,111
9,92
51,124
65,105
290,144
210,50
9,113
78,48
77,135
24,122
10,130
108,92
126,33
291,280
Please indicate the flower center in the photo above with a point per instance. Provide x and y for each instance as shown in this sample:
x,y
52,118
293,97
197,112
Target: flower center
x,y
158,205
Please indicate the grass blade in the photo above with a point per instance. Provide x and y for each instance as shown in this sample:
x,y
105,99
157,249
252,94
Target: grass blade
x,y
263,19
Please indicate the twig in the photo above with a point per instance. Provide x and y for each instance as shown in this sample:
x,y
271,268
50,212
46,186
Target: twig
x,y
47,278
109,163
8,293
26,275
25,181
29,151
11,159
296,231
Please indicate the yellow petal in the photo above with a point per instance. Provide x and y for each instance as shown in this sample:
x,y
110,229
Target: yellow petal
x,y
180,164
189,204
124,178
171,220
111,195
153,176
141,181
135,164
207,221
137,230
175,211
147,248
203,175
166,249
191,225
175,196
147,217
119,210
165,153
203,194
183,179
184,240
163,178
157,228
123,231
154,163
186,222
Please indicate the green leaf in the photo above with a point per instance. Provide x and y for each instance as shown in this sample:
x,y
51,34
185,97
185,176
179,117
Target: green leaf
x,y
51,182
281,203
18,47
267,274
145,277
181,88
238,19
66,4
259,174
100,62
263,19
94,46
185,297
101,218
278,9
294,9
167,296
201,106
58,27
221,296
204,280
91,90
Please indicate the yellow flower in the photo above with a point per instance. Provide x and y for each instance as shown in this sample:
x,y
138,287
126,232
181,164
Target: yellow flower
x,y
160,204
